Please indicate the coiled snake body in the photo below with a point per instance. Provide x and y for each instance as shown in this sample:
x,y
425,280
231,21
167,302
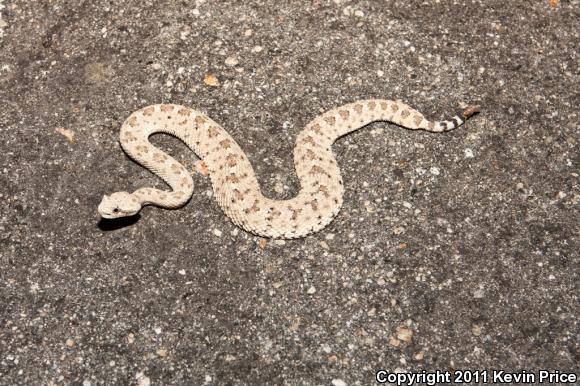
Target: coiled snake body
x,y
234,182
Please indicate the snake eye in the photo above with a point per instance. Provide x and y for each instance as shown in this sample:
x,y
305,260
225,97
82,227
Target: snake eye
x,y
116,210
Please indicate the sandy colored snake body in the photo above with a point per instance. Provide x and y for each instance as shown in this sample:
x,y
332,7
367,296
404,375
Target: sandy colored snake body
x,y
234,182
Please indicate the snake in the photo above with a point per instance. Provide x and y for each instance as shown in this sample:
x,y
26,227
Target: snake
x,y
233,180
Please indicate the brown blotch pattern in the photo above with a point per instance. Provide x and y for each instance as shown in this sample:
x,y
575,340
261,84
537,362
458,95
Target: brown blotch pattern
x,y
231,160
226,143
184,182
132,121
184,111
330,120
129,136
418,119
372,105
394,107
238,195
232,178
166,108
213,131
148,111
358,108
384,105
316,127
314,204
253,208
142,149
159,157
344,114
405,113
199,120
310,154
175,168
316,170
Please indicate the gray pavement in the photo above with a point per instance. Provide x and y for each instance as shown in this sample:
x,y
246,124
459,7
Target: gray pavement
x,y
456,251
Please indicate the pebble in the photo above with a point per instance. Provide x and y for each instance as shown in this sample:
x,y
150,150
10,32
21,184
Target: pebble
x,y
405,334
162,352
338,382
435,171
156,66
468,153
143,380
231,61
279,187
311,290
217,232
257,49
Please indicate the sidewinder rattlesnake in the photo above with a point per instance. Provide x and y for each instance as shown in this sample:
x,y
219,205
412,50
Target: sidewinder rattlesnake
x,y
234,182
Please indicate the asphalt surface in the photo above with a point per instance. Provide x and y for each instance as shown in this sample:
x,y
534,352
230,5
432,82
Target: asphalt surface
x,y
452,251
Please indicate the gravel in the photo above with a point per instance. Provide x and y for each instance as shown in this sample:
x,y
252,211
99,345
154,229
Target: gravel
x,y
452,251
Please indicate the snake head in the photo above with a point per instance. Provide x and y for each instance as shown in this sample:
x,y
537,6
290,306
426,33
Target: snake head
x,y
120,204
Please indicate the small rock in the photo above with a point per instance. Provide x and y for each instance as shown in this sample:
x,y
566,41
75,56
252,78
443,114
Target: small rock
x,y
405,334
68,134
468,153
394,341
435,171
70,342
311,290
279,187
142,380
257,49
262,243
162,352
231,61
211,80
217,232
338,382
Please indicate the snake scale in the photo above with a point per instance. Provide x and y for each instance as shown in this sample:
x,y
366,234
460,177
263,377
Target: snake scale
x,y
235,186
